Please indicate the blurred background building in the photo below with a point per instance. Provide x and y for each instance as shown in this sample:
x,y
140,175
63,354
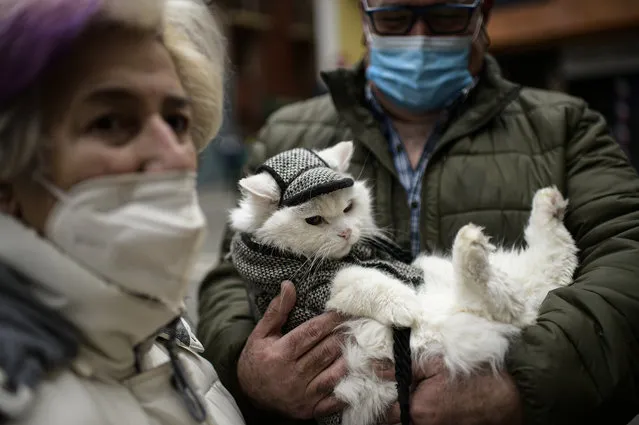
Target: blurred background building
x,y
272,47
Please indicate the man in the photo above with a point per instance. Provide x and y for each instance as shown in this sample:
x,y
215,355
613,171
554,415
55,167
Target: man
x,y
444,140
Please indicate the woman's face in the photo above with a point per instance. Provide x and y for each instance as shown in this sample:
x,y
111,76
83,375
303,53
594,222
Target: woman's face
x,y
113,105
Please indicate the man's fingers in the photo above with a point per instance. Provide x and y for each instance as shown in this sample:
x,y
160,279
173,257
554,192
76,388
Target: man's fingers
x,y
277,312
328,406
321,356
307,335
325,383
421,372
427,370
393,415
384,369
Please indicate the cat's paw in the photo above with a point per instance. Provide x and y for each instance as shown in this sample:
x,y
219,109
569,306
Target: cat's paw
x,y
401,312
399,308
366,292
471,251
471,239
548,205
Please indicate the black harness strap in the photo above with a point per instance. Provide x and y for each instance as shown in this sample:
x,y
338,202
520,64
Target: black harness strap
x,y
403,371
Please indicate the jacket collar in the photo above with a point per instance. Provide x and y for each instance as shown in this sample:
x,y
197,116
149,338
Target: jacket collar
x,y
492,94
347,89
113,325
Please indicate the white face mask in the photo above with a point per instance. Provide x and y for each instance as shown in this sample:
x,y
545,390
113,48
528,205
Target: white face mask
x,y
142,232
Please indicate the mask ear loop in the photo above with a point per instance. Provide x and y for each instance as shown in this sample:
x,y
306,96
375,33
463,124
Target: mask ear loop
x,y
49,187
368,36
367,27
478,28
481,31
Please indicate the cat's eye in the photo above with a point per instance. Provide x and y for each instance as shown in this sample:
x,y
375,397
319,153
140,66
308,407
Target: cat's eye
x,y
314,221
349,207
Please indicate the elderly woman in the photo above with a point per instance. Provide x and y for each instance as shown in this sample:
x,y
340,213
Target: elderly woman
x,y
104,105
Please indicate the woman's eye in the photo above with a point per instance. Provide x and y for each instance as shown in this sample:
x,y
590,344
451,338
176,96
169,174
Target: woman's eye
x,y
107,123
178,122
113,129
314,221
349,207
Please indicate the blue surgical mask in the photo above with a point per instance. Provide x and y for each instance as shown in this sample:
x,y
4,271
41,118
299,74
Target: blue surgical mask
x,y
420,73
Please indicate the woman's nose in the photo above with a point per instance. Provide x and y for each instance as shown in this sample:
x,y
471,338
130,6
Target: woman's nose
x,y
162,149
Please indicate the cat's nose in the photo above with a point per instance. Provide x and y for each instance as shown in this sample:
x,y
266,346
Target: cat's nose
x,y
346,234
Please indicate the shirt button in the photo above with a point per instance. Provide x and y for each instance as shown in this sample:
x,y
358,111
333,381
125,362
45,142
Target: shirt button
x,y
414,205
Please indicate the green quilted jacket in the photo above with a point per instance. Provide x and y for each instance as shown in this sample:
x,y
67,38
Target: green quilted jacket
x,y
580,362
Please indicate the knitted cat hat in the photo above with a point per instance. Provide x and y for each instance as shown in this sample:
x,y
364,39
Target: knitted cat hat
x,y
302,175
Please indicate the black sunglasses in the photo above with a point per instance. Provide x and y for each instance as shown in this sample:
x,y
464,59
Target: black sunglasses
x,y
441,19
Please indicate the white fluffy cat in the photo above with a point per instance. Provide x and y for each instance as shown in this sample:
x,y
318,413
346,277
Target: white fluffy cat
x,y
468,308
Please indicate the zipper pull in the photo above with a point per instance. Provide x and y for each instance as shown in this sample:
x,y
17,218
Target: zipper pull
x,y
180,380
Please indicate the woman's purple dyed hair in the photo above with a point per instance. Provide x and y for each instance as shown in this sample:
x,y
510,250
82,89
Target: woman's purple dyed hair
x,y
33,33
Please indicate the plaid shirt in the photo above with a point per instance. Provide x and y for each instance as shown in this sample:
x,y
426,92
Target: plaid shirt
x,y
411,179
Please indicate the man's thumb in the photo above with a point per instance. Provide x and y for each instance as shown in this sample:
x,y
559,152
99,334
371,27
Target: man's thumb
x,y
277,312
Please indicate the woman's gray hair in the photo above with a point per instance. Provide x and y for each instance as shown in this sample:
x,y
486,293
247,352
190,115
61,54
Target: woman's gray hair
x,y
20,137
194,37
195,41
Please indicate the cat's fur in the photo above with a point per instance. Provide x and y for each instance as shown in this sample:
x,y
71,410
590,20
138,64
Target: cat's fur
x,y
470,305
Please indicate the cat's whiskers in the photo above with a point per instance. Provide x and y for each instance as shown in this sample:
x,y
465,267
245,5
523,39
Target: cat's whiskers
x,y
315,261
302,266
324,252
370,233
304,269
312,261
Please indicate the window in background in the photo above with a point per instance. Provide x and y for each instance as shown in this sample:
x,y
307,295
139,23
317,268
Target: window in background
x,y
617,98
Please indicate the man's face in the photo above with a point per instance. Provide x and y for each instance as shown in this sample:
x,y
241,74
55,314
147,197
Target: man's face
x,y
441,22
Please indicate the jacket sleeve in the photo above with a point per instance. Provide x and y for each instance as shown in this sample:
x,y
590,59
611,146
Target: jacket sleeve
x,y
225,320
580,362
225,316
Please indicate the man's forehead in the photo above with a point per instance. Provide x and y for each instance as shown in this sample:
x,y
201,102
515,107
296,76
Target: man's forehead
x,y
376,3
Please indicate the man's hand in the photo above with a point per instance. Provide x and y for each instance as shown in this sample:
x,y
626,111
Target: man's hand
x,y
481,399
295,373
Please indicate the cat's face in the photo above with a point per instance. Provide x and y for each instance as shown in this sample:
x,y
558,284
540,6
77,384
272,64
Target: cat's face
x,y
327,226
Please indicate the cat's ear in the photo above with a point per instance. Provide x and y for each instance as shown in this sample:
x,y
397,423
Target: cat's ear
x,y
339,156
261,187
